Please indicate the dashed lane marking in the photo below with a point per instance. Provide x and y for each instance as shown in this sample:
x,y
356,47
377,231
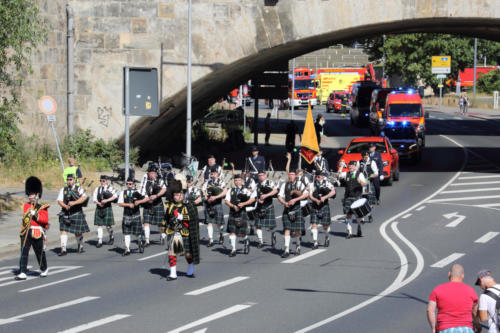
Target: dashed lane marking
x,y
215,316
420,208
488,205
9,270
448,260
406,216
480,177
303,256
96,323
472,190
53,270
47,309
486,237
465,198
216,286
475,183
152,256
55,282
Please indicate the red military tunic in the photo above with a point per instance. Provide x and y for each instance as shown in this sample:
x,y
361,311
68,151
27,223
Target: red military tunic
x,y
43,217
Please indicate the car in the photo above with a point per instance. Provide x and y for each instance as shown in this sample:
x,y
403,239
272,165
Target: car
x,y
390,155
336,102
404,139
377,109
361,97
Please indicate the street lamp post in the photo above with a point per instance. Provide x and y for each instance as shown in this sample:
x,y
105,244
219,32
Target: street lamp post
x,y
188,112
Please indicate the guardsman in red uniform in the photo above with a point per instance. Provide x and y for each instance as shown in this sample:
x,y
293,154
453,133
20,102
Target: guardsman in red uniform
x,y
35,222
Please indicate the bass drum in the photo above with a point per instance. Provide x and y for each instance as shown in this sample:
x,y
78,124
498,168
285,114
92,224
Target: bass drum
x,y
361,208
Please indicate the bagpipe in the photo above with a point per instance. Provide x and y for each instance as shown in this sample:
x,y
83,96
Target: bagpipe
x,y
104,195
213,190
33,185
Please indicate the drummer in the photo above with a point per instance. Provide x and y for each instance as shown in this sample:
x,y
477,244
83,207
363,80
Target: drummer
x,y
354,182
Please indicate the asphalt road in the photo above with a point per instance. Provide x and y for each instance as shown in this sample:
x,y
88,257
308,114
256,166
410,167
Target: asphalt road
x,y
442,211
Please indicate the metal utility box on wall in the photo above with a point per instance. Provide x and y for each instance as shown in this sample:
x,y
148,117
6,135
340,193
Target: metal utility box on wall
x,y
142,91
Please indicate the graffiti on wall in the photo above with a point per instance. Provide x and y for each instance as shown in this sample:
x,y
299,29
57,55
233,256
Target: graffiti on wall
x,y
103,115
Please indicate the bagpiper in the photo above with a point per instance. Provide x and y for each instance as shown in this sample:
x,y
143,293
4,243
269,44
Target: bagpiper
x,y
237,199
369,169
131,223
72,198
214,190
320,191
103,196
192,194
205,171
354,182
290,195
182,227
264,212
35,223
152,190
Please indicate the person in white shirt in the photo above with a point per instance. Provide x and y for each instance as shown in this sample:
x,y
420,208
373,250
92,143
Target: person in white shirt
x,y
354,182
488,300
103,196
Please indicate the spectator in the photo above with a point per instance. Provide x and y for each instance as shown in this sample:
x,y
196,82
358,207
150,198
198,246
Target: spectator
x,y
488,300
267,128
73,169
318,126
456,305
291,133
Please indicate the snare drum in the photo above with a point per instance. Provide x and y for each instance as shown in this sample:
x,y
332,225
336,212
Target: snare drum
x,y
361,208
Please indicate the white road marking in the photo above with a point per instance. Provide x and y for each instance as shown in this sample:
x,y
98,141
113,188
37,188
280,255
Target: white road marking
x,y
47,309
216,286
480,177
448,260
152,256
457,118
440,118
465,198
215,316
488,205
457,221
420,258
475,183
399,282
406,216
421,208
96,323
53,270
336,217
482,171
472,190
486,237
55,282
203,330
9,270
303,256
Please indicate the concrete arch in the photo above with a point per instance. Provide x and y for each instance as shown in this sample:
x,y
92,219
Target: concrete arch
x,y
148,132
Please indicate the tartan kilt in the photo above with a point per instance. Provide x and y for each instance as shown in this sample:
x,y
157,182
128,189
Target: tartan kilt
x,y
231,227
347,202
134,228
269,221
219,216
78,224
325,210
107,220
298,224
186,243
156,218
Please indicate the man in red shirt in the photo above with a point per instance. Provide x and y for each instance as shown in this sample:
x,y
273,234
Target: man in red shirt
x,y
35,222
456,305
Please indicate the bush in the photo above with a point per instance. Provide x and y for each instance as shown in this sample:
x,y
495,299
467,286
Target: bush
x,y
489,82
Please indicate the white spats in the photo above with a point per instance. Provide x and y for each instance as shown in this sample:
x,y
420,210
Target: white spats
x,y
314,233
232,238
99,234
147,232
190,270
64,241
287,242
259,235
210,230
127,242
349,227
173,272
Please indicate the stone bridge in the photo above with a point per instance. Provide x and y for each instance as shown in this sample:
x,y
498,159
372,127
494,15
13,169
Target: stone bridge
x,y
232,40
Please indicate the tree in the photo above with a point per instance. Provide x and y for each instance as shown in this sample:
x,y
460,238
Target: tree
x,y
409,55
21,31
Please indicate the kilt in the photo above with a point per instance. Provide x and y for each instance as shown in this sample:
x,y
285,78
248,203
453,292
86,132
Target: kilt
x,y
107,220
347,202
372,199
157,216
185,242
231,227
219,216
134,228
325,211
298,224
78,224
269,221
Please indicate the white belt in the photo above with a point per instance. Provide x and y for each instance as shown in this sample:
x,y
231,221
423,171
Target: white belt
x,y
37,227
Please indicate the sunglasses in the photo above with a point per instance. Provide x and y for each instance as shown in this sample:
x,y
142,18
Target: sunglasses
x,y
130,183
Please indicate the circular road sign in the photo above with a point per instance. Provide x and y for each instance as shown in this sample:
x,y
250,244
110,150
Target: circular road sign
x,y
47,105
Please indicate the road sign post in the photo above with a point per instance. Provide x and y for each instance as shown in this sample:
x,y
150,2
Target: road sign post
x,y
48,106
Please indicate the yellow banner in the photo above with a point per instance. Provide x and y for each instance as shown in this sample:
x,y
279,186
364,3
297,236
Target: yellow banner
x,y
309,138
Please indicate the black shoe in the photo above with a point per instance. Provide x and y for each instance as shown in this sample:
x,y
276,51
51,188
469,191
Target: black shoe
x,y
233,253
285,254
327,242
315,246
62,253
171,278
146,244
210,243
126,253
297,250
192,276
378,202
246,249
140,244
359,233
348,236
99,244
273,240
221,238
260,245
111,240
80,249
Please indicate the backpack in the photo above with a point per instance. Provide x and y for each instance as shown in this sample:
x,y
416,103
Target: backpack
x,y
497,304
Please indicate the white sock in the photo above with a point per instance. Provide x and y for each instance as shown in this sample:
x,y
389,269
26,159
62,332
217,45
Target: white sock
x,y
190,270
232,238
163,235
99,234
64,241
259,235
349,226
146,232
328,230
315,234
210,230
127,242
287,242
173,271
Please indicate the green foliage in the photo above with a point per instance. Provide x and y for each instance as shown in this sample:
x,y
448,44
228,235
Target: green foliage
x,y
489,82
21,30
409,55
